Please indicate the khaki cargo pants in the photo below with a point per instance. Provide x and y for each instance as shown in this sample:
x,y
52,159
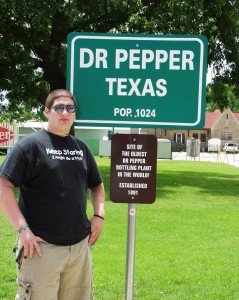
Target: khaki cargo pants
x,y
62,273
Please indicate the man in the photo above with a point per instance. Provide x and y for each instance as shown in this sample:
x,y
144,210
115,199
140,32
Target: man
x,y
53,170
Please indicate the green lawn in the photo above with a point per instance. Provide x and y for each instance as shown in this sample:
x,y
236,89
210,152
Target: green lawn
x,y
187,242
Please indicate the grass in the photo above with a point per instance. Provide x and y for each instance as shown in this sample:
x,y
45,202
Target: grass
x,y
186,242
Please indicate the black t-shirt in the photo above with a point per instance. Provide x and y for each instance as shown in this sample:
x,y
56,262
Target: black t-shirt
x,y
53,174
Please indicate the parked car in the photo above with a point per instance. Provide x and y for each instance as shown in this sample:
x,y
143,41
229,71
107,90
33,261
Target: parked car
x,y
231,147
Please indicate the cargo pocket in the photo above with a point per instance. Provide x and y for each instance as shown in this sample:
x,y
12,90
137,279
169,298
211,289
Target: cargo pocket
x,y
18,251
25,291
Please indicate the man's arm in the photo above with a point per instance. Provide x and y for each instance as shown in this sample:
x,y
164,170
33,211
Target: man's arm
x,y
9,206
97,195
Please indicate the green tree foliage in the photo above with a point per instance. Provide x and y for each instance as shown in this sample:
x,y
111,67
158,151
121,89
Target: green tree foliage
x,y
220,95
33,39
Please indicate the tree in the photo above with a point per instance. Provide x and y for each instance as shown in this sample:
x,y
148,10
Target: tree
x,y
220,95
33,38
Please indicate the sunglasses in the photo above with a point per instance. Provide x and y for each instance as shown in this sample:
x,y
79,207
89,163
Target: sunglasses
x,y
59,108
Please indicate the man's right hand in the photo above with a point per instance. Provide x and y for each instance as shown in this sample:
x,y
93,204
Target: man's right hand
x,y
30,243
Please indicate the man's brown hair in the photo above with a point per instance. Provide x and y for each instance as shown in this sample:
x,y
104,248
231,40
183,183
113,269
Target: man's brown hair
x,y
57,94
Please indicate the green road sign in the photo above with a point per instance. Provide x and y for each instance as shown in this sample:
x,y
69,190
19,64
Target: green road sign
x,y
138,80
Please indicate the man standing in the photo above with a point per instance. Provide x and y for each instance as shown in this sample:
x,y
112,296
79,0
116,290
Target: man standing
x,y
53,171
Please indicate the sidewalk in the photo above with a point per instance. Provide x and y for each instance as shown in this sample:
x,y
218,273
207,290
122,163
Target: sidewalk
x,y
231,158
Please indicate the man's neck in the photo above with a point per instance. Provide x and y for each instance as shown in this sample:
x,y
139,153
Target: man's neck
x,y
57,133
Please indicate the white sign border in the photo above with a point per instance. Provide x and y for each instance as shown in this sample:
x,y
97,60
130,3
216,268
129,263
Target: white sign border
x,y
103,37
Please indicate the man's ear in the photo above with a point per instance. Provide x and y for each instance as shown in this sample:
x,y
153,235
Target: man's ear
x,y
46,111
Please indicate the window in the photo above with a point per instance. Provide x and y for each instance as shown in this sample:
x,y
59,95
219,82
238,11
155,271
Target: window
x,y
226,136
203,137
179,138
195,135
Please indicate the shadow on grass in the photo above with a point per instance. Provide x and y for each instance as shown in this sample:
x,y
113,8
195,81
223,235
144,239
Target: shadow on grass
x,y
222,181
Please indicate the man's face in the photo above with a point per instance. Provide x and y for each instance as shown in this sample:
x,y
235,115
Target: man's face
x,y
59,119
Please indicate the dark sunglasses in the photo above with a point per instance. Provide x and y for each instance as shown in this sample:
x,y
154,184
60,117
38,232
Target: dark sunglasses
x,y
59,108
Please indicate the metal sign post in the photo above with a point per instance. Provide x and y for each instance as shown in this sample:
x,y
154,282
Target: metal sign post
x,y
133,180
129,289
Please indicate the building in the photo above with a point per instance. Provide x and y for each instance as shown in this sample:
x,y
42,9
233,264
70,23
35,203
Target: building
x,y
222,125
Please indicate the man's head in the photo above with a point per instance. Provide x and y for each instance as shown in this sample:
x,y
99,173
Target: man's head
x,y
60,110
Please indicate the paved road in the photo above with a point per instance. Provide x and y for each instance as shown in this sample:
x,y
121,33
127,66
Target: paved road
x,y
231,158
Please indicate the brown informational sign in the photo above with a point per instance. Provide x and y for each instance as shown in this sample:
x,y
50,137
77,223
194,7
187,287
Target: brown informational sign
x,y
133,168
